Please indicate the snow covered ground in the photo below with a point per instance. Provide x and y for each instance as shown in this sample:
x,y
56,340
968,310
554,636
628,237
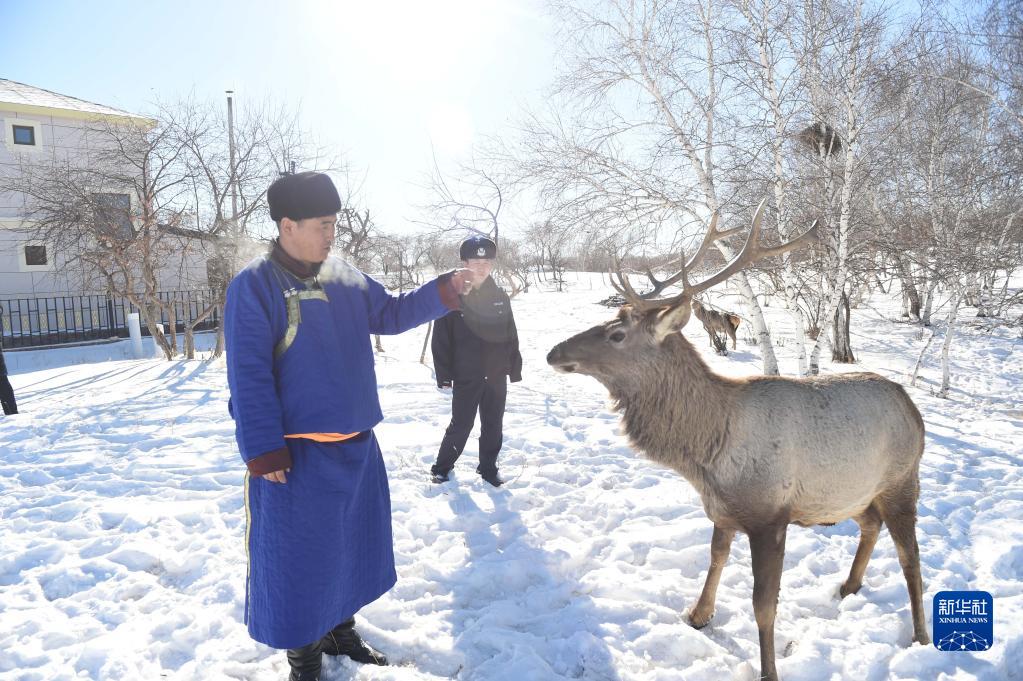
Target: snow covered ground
x,y
121,527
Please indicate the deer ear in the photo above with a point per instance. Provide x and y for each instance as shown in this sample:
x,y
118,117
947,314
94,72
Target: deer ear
x,y
670,320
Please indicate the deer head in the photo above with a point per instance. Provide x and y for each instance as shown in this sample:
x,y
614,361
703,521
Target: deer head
x,y
607,350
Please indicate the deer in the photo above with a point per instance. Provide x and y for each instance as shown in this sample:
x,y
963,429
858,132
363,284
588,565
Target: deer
x,y
762,452
715,322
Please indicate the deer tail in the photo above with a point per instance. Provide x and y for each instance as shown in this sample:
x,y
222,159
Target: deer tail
x,y
734,320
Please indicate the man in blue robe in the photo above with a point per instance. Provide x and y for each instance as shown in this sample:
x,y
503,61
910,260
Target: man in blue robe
x,y
297,325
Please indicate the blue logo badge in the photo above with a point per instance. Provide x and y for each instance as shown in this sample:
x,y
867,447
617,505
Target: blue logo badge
x,y
963,620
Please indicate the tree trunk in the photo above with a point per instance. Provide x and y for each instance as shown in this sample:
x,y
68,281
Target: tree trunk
x,y
925,316
376,342
830,311
796,313
984,307
910,292
920,357
841,349
798,325
760,330
172,324
426,343
815,355
756,315
953,309
158,336
219,349
190,330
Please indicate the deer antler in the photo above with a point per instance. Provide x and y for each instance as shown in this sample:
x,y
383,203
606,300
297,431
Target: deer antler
x,y
751,252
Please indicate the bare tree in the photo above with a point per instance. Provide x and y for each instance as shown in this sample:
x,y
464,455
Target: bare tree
x,y
356,235
153,199
639,141
959,192
549,247
113,213
468,201
229,191
513,267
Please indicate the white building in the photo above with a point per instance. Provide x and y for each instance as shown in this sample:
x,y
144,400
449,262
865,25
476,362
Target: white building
x,y
40,125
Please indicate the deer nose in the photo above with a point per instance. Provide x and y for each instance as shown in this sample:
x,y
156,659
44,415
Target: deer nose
x,y
554,355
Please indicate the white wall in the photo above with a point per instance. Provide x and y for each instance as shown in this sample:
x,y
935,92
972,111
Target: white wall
x,y
66,138
24,361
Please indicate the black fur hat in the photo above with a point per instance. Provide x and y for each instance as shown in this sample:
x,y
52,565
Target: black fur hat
x,y
302,195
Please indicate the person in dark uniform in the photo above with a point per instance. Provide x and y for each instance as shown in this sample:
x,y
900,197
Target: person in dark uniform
x,y
6,391
475,351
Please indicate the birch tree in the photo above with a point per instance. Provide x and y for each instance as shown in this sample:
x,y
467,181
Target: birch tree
x,y
636,138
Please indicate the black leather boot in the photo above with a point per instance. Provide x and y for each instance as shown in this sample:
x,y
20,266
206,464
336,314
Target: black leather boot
x,y
345,640
305,662
491,476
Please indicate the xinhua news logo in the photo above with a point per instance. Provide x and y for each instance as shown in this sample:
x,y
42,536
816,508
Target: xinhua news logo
x,y
963,621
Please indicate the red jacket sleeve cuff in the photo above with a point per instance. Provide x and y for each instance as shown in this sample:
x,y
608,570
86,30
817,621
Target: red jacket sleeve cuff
x,y
277,460
448,294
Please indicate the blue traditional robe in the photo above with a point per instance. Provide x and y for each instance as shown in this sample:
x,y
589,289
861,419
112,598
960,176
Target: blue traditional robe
x,y
299,361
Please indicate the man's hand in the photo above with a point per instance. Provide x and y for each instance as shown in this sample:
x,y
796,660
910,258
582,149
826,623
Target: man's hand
x,y
444,385
277,476
461,280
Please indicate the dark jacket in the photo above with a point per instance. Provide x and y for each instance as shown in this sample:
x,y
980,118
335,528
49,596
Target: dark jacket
x,y
478,341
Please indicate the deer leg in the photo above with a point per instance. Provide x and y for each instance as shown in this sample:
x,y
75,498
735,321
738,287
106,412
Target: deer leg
x,y
870,526
767,547
710,334
900,517
720,545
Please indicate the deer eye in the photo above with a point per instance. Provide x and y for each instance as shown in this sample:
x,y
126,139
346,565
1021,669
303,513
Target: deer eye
x,y
617,336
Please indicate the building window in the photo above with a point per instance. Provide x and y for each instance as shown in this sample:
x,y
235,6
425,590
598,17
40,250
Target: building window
x,y
35,255
25,135
112,213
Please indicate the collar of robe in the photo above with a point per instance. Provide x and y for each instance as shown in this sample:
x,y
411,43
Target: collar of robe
x,y
299,268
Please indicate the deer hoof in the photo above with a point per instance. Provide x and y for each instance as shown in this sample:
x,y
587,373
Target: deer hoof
x,y
699,621
848,589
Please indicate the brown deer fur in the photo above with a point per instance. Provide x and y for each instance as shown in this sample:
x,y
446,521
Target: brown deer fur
x,y
717,322
763,451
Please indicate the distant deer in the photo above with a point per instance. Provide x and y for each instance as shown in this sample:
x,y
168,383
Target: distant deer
x,y
762,451
717,322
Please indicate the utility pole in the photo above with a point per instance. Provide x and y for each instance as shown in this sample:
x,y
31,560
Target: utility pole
x,y
230,148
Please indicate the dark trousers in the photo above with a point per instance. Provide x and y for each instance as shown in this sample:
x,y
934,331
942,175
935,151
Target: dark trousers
x,y
7,396
488,398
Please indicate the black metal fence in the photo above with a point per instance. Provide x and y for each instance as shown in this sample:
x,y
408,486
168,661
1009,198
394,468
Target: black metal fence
x,y
31,322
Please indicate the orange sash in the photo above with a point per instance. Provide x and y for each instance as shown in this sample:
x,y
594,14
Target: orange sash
x,y
324,437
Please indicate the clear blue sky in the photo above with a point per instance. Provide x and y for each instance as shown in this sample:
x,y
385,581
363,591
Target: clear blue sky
x,y
379,80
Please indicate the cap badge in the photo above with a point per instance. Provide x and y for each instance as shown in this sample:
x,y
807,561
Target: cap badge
x,y
481,251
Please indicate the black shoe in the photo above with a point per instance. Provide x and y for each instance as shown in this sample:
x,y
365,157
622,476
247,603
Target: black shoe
x,y
305,662
345,640
438,478
493,478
